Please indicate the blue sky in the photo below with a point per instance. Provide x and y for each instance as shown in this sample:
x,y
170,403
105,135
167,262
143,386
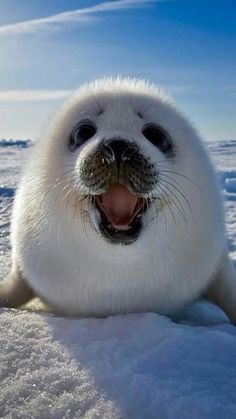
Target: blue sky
x,y
49,48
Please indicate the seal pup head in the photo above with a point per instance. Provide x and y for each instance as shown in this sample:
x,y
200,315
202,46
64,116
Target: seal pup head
x,y
118,137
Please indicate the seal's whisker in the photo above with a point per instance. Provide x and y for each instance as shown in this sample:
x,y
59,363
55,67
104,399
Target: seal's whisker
x,y
172,179
182,175
165,198
182,195
162,209
173,201
154,210
181,208
84,214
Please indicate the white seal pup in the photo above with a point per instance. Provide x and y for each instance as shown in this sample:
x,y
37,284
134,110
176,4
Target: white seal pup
x,y
119,210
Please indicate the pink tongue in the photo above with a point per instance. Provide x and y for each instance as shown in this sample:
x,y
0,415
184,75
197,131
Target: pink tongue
x,y
119,204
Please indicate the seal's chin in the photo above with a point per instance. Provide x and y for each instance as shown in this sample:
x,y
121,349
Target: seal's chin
x,y
120,214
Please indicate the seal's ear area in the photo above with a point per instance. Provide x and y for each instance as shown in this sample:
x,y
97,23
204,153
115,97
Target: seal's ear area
x,y
14,292
222,290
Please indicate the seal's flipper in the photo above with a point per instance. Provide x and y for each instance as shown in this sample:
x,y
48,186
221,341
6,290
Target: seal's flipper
x,y
222,290
14,291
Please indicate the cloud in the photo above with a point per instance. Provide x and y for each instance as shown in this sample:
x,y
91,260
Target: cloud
x,y
33,95
78,15
50,94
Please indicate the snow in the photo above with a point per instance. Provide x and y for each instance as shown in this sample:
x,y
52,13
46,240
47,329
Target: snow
x,y
133,366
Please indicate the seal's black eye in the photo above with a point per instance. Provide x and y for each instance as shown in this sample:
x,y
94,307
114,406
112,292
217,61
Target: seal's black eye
x,y
158,137
81,134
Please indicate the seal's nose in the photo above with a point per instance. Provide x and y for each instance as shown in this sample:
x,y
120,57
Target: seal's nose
x,y
120,149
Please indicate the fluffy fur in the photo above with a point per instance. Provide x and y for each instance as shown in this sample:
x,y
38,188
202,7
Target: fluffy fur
x,y
58,254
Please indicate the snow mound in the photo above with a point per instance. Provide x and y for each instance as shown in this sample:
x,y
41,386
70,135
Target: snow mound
x,y
133,366
4,191
15,143
228,182
231,184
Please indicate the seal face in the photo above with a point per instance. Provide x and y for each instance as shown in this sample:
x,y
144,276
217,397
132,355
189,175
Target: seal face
x,y
120,179
119,209
125,178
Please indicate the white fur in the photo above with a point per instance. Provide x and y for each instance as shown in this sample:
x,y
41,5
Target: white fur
x,y
60,253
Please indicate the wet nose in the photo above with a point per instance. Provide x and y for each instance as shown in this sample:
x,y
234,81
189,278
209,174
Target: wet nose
x,y
121,149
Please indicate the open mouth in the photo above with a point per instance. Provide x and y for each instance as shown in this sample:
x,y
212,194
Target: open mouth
x,y
121,214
